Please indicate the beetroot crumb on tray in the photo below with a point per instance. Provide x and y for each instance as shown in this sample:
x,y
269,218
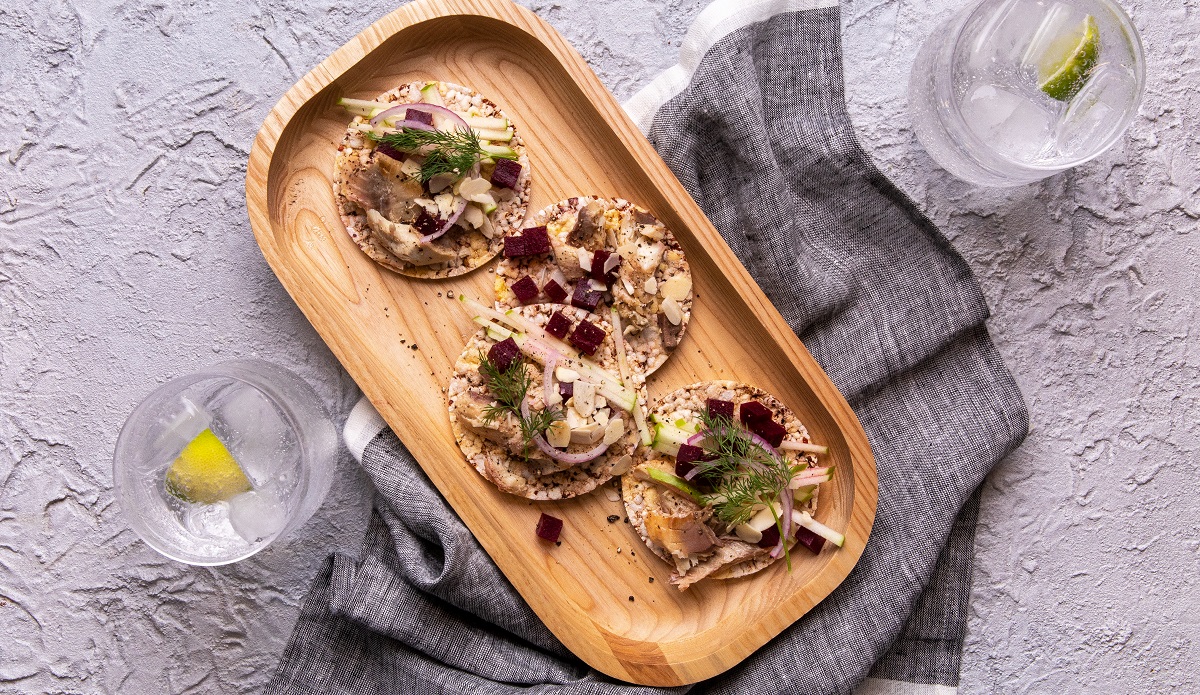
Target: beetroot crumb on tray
x,y
548,527
769,430
719,408
585,297
525,289
753,410
558,325
503,354
554,291
587,337
506,174
808,539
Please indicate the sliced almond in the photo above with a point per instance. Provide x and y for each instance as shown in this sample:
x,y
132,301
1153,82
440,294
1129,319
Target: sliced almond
x,y
596,285
672,311
585,260
588,434
473,187
652,231
602,416
410,167
651,285
611,262
473,216
584,398
622,466
614,430
748,533
558,434
628,285
574,420
566,375
441,182
677,287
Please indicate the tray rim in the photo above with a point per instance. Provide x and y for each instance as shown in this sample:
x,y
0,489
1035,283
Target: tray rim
x,y
652,670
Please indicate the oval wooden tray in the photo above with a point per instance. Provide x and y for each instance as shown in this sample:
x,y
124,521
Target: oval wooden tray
x,y
399,337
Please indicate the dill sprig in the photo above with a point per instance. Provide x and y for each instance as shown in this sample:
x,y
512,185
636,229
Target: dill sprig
x,y
747,474
510,387
446,151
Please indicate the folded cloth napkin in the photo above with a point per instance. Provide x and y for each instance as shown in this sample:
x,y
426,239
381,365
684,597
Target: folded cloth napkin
x,y
753,123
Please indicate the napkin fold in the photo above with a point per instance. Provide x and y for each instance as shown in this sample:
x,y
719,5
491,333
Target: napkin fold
x,y
753,122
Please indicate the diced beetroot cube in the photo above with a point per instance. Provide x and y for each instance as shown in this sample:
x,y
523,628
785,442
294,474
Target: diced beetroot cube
x,y
753,410
384,148
514,246
418,116
504,353
769,430
537,240
558,325
719,408
770,537
587,337
585,297
525,289
555,292
599,258
548,527
808,539
682,468
691,454
566,390
506,174
426,224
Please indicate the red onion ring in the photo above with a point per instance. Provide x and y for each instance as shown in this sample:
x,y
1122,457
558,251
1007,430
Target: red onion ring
x,y
557,455
548,376
442,112
446,227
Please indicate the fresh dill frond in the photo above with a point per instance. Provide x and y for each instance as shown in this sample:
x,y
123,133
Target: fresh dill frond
x,y
746,474
445,151
510,387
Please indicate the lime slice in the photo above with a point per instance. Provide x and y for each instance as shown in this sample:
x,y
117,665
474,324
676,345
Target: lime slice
x,y
1068,61
206,472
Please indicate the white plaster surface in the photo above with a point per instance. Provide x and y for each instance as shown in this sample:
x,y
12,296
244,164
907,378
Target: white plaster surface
x,y
126,258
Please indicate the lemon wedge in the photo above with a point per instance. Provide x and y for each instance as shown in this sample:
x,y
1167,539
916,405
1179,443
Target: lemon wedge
x,y
206,472
1068,61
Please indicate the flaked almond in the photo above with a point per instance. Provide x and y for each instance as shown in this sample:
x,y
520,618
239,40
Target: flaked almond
x,y
748,533
677,287
651,285
652,231
585,260
621,467
566,375
602,416
628,285
672,311
588,434
613,431
558,434
584,398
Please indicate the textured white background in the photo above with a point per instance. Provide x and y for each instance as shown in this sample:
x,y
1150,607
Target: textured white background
x,y
126,259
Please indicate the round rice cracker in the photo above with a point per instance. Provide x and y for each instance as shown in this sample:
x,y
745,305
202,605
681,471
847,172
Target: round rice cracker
x,y
517,476
688,402
647,350
475,249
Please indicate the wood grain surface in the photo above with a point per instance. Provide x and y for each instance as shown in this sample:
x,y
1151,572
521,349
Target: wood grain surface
x,y
399,337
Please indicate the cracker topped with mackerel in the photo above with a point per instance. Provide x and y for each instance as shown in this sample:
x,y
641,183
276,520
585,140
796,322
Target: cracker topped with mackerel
x,y
728,486
537,405
430,190
607,256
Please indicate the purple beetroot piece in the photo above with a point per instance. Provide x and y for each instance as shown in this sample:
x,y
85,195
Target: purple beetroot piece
x,y
384,148
558,325
514,246
418,116
554,291
599,258
426,224
585,297
548,527
753,410
808,539
770,537
682,468
504,353
525,289
566,390
691,454
537,240
506,174
587,337
769,430
719,408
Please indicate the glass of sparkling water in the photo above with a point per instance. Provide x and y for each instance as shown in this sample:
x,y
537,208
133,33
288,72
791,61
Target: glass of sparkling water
x,y
1007,92
258,453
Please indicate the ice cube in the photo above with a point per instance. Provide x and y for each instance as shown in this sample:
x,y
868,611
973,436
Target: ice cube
x,y
257,516
1000,44
1057,21
256,435
1096,112
207,521
1012,124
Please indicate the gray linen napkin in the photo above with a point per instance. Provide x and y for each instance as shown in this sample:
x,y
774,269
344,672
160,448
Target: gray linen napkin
x,y
753,123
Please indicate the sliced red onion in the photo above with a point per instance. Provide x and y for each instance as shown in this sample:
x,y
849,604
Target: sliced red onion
x,y
462,205
695,439
441,111
557,455
382,116
699,436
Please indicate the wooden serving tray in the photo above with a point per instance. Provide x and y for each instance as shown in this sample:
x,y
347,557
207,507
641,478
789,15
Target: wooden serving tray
x,y
399,337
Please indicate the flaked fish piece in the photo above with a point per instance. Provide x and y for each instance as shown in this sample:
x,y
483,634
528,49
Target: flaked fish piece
x,y
404,242
727,555
381,186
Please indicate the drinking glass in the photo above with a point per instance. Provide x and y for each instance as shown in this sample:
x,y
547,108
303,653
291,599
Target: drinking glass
x,y
275,428
988,105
